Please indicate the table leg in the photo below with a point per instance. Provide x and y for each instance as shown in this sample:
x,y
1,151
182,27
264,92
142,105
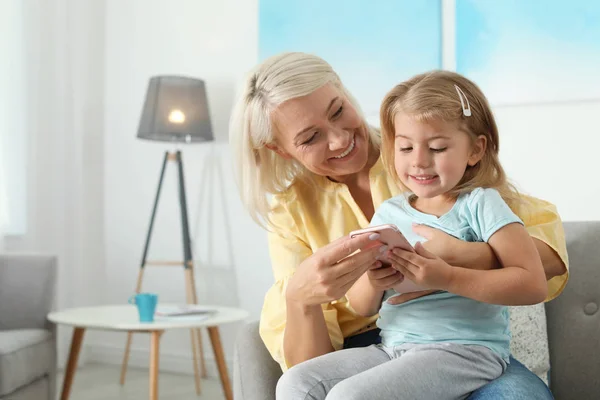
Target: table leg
x,y
215,340
154,352
126,357
202,360
76,341
193,333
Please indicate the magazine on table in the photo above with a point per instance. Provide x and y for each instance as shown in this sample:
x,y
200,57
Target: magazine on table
x,y
185,310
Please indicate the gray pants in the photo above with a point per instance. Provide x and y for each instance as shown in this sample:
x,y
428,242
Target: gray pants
x,y
410,371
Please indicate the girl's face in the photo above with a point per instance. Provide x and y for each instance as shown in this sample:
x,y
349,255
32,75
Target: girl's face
x,y
431,157
323,132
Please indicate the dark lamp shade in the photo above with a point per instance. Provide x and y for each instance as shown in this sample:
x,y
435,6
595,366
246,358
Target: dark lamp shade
x,y
175,110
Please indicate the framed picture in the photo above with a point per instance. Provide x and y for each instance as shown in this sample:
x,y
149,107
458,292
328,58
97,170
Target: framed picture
x,y
371,45
533,51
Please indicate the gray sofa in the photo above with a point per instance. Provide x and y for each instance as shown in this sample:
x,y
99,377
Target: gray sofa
x,y
27,339
573,324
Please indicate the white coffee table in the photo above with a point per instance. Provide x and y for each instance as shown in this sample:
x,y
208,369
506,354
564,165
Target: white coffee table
x,y
125,318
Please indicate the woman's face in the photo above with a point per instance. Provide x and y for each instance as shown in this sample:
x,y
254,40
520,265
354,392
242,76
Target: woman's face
x,y
323,132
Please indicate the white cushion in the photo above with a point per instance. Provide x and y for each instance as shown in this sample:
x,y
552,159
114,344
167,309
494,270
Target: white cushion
x,y
25,356
529,342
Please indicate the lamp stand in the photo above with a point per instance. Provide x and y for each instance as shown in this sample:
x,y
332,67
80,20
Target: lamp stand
x,y
188,266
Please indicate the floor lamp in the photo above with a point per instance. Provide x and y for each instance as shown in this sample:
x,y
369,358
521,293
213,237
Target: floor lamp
x,y
175,111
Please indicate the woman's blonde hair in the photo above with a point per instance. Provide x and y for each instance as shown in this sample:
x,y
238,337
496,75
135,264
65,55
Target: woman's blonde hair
x,y
434,96
260,171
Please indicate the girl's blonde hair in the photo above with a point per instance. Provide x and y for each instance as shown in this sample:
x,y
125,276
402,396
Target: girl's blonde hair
x,y
434,96
260,171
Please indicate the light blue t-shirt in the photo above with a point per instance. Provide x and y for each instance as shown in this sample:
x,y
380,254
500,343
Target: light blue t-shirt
x,y
443,316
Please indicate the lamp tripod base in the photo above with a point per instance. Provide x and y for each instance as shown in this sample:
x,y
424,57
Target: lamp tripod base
x,y
188,266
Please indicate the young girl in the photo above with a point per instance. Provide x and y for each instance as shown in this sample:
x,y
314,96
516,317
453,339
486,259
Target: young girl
x,y
440,142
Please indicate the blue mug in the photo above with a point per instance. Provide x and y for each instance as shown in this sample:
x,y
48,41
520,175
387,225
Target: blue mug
x,y
146,305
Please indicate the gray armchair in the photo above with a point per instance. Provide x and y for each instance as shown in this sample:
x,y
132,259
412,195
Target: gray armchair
x,y
27,339
573,324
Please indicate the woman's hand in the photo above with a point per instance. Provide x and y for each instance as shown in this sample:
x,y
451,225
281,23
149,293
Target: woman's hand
x,y
329,273
422,267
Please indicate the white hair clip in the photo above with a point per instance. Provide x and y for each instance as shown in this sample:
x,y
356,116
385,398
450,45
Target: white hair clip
x,y
461,94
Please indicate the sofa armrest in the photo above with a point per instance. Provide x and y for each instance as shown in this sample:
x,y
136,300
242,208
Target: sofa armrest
x,y
255,373
574,318
26,290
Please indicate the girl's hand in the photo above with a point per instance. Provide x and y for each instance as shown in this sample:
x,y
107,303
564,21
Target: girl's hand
x,y
423,267
472,255
329,273
438,242
383,277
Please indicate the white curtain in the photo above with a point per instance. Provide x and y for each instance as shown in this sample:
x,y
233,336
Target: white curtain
x,y
64,108
4,221
3,194
11,101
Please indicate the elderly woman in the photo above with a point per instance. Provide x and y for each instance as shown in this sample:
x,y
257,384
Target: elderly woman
x,y
301,140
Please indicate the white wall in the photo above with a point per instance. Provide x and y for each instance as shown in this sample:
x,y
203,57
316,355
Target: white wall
x,y
217,42
550,151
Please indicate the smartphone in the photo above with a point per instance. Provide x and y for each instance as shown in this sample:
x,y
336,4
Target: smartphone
x,y
391,236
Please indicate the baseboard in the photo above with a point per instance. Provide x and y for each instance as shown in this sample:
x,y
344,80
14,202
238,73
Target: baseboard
x,y
169,362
